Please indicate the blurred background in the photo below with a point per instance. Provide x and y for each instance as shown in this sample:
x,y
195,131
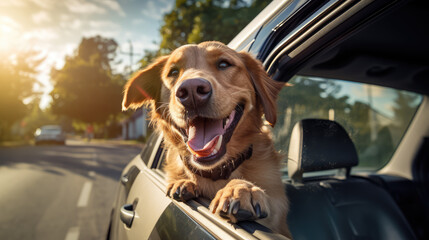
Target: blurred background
x,y
63,65
65,62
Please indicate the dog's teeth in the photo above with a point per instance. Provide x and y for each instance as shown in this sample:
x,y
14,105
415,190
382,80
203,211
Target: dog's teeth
x,y
214,152
218,144
227,121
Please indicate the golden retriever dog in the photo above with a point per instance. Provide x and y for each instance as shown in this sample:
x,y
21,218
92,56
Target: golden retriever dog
x,y
208,101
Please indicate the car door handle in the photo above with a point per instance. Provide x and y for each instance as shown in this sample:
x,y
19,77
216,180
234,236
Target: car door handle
x,y
124,179
127,214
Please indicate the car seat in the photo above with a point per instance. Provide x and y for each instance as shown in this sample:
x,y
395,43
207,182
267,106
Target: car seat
x,y
340,206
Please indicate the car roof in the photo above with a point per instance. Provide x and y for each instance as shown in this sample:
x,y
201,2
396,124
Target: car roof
x,y
391,51
387,48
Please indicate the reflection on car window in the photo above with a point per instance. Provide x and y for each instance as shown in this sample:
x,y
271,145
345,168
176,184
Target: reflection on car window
x,y
147,150
161,162
375,117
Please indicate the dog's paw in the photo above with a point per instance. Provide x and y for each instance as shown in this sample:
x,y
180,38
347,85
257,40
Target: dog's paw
x,y
182,190
240,200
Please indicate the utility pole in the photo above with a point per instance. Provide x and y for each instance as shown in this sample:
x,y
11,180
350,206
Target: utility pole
x,y
131,53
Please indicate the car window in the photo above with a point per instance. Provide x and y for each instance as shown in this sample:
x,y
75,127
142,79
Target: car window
x,y
50,131
375,117
161,161
147,150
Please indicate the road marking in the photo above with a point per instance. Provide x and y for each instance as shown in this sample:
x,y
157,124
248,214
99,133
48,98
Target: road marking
x,y
91,173
73,234
84,195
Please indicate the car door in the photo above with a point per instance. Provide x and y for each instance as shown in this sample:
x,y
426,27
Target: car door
x,y
148,213
128,208
143,211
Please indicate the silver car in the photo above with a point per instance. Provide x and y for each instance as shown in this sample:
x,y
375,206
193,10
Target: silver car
x,y
353,128
49,134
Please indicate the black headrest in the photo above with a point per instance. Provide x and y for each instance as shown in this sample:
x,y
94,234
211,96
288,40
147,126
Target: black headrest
x,y
318,144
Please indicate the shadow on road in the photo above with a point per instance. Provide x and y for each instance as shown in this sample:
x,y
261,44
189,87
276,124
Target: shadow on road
x,y
80,158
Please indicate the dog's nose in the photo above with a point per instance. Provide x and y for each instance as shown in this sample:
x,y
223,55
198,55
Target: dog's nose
x,y
194,93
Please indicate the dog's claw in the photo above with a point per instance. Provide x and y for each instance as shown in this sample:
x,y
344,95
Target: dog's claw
x,y
257,209
244,215
241,201
183,191
234,207
176,195
225,206
185,195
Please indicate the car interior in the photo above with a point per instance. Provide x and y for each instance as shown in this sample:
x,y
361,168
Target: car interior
x,y
390,51
341,206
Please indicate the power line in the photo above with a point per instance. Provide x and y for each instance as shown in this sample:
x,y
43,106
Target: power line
x,y
131,53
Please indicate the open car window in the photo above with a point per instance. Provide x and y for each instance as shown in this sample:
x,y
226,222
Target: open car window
x,y
375,117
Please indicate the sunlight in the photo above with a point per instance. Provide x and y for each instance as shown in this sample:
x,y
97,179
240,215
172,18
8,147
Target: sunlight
x,y
8,31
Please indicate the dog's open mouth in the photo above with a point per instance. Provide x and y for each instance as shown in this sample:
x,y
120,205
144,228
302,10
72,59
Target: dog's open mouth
x,y
207,138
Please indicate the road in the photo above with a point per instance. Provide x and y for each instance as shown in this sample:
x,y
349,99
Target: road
x,y
59,192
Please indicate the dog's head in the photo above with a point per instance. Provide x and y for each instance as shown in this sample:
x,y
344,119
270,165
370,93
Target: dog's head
x,y
207,99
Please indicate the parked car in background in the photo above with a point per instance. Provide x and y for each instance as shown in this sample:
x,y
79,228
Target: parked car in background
x,y
353,128
50,134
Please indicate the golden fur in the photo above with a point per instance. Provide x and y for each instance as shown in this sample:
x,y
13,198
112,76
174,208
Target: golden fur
x,y
257,179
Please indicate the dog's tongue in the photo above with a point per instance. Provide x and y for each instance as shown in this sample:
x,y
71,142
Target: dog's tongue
x,y
202,134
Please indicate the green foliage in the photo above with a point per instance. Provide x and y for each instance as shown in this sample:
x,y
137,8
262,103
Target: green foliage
x,y
38,117
194,21
374,134
104,47
16,81
149,56
85,88
405,106
308,98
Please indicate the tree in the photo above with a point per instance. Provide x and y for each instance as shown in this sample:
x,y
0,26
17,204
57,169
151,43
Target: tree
x,y
85,89
405,108
104,47
16,81
194,21
149,56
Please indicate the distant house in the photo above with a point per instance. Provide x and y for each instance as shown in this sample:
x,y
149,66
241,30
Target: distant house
x,y
136,125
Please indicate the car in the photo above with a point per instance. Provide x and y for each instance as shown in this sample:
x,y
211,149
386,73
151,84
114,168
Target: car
x,y
49,134
352,126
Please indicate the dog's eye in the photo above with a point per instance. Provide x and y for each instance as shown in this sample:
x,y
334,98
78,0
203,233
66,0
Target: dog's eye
x,y
223,64
174,72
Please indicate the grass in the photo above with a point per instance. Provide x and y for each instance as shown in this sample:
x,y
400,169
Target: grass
x,y
16,143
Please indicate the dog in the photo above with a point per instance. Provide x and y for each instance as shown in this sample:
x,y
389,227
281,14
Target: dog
x,y
208,101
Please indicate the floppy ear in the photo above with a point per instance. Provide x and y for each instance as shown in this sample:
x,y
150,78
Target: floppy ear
x,y
145,86
266,89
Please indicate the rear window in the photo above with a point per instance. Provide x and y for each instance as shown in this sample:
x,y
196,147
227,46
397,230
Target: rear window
x,y
375,117
51,130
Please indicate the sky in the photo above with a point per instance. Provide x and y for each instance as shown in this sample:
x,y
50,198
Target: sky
x,y
55,28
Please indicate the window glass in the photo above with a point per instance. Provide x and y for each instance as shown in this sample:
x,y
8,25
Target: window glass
x,y
161,162
147,150
375,117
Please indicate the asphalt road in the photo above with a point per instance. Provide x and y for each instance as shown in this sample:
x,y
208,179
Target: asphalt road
x,y
59,192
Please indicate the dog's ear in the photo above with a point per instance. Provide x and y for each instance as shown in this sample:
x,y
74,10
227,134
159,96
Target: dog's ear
x,y
266,88
144,86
